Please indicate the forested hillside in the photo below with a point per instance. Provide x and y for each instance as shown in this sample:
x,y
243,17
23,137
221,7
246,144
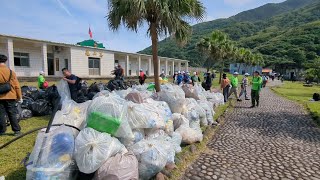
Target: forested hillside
x,y
285,33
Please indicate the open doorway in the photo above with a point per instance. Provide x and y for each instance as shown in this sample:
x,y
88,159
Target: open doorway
x,y
50,60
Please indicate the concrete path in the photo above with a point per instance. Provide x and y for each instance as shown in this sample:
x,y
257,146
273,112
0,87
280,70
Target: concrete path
x,y
275,141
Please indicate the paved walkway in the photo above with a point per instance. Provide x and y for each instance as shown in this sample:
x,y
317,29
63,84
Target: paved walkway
x,y
275,141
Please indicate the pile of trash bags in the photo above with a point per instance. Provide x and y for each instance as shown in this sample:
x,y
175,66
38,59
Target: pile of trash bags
x,y
124,134
40,102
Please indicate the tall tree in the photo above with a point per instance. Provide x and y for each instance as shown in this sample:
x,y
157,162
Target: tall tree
x,y
163,17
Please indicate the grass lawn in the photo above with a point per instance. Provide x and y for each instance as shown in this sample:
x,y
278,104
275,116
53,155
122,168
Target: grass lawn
x,y
12,155
297,92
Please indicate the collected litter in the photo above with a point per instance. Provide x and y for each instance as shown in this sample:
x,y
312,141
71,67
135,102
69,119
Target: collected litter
x,y
127,133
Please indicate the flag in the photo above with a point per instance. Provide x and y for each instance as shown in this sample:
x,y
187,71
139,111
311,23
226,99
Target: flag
x,y
90,33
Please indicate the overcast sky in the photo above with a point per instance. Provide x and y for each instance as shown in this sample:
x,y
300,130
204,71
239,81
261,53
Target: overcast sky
x,y
68,20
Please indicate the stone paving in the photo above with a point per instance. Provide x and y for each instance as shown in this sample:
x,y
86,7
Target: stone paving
x,y
274,141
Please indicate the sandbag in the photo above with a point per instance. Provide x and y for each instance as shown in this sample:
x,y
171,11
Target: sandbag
x,y
93,148
179,120
40,108
152,157
134,97
119,167
107,114
56,159
190,135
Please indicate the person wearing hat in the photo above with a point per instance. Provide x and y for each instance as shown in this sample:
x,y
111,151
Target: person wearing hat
x,y
10,93
142,77
234,84
244,85
179,78
195,78
256,88
41,80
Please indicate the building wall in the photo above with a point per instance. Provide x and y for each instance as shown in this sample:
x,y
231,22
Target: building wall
x,y
35,58
61,56
80,62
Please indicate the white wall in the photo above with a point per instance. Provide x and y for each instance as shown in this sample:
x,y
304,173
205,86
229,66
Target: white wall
x,y
35,58
62,55
80,62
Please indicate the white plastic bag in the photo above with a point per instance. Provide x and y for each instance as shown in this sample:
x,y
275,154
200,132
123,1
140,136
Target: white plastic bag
x,y
104,93
119,167
207,106
178,120
72,113
190,135
111,107
139,116
93,148
52,155
152,157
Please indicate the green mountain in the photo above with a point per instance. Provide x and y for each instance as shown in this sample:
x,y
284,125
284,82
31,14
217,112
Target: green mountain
x,y
284,32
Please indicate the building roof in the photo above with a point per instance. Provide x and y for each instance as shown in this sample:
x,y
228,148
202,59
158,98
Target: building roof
x,y
76,45
91,43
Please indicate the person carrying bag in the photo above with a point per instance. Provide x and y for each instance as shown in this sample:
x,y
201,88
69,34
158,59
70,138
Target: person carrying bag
x,y
10,92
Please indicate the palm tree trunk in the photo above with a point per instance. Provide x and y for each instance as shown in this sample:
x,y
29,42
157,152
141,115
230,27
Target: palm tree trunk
x,y
221,71
154,40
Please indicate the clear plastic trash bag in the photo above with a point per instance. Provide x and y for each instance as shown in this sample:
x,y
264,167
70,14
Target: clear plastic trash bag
x,y
104,93
208,107
64,91
190,135
72,113
152,156
52,155
138,135
93,148
108,114
119,167
179,120
139,116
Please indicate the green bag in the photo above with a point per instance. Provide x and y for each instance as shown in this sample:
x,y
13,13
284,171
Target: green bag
x,y
151,87
103,123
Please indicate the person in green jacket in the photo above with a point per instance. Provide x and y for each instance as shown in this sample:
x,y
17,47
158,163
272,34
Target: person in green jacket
x,y
234,84
41,80
256,88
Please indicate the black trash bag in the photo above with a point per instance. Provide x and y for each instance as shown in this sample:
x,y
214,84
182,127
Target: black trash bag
x,y
53,97
96,87
27,101
316,96
84,87
112,85
35,95
91,95
81,98
40,108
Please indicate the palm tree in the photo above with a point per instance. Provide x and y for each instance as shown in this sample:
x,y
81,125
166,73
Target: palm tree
x,y
218,48
163,17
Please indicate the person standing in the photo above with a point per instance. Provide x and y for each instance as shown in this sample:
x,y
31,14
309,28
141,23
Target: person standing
x,y
162,75
234,85
142,77
225,86
264,80
41,80
175,77
195,78
256,88
208,81
244,85
179,78
10,92
72,81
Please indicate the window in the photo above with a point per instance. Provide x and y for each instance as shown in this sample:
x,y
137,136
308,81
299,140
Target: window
x,y
94,66
66,63
21,59
57,64
116,62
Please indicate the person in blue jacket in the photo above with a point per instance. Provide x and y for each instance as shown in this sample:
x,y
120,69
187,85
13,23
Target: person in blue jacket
x,y
187,78
180,78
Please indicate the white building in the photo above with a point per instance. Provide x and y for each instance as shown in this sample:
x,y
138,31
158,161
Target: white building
x,y
29,56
